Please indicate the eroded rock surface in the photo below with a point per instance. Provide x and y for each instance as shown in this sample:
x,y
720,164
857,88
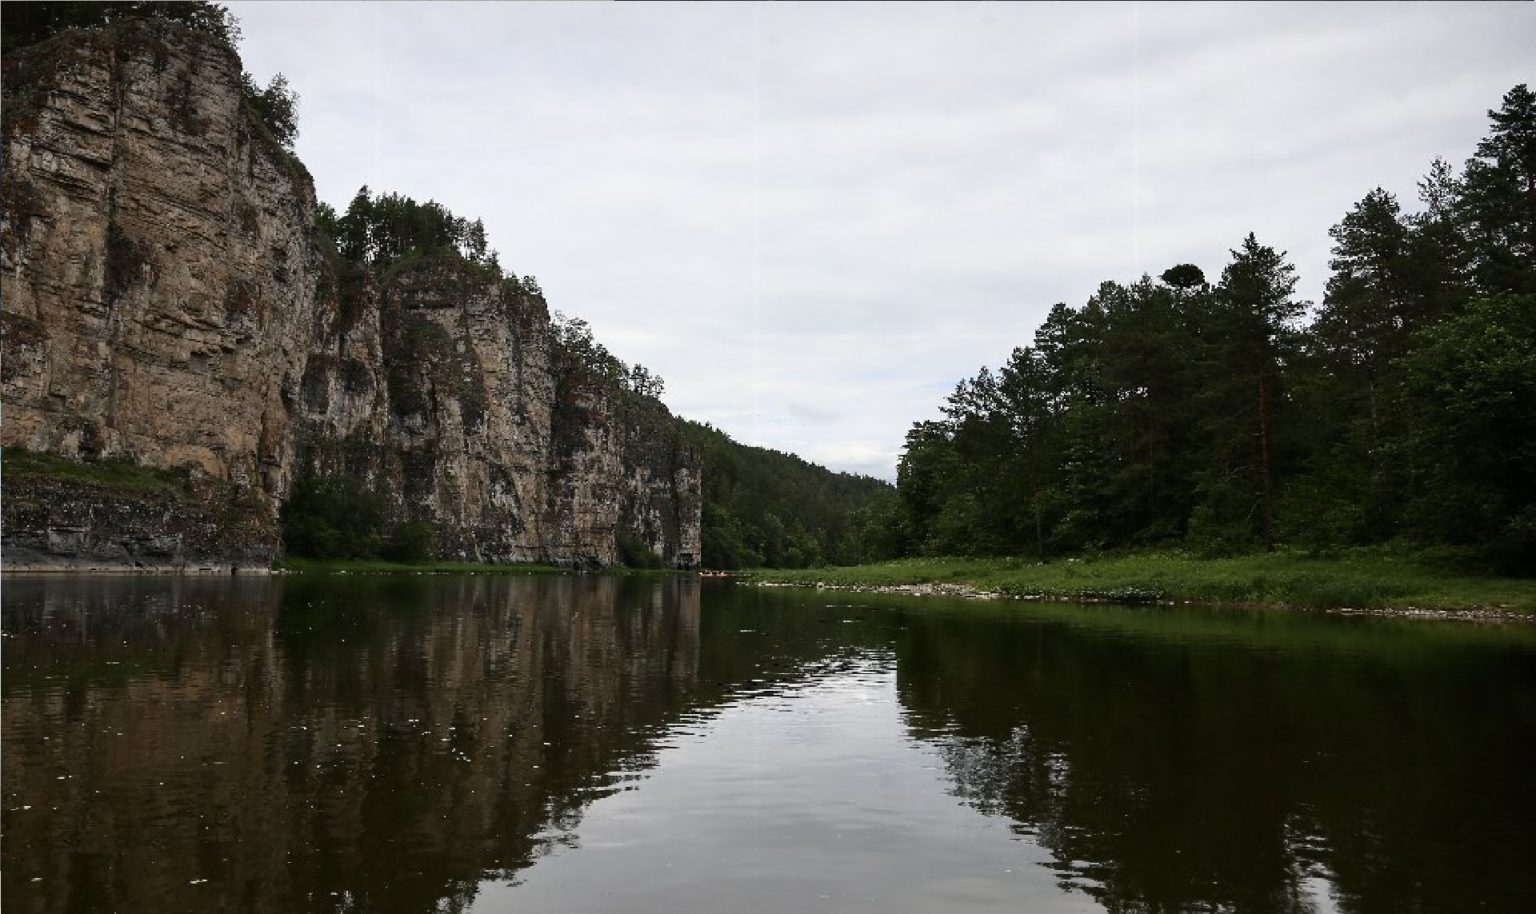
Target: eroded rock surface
x,y
167,299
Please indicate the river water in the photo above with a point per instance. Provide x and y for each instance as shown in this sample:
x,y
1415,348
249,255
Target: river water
x,y
586,743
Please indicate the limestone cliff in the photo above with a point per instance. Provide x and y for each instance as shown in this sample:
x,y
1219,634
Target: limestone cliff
x,y
168,300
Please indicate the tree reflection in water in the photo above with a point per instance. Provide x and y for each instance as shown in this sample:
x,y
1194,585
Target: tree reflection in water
x,y
1173,762
394,743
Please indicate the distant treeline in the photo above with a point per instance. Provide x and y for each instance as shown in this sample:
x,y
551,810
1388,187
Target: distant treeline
x,y
765,508
1229,417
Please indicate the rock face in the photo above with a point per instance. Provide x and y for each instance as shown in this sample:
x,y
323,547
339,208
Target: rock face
x,y
167,300
170,522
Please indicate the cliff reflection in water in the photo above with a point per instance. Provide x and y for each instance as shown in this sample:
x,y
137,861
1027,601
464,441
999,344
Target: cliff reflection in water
x,y
299,744
415,743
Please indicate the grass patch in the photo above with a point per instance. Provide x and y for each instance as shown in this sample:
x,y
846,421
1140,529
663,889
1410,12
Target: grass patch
x,y
1356,580
115,474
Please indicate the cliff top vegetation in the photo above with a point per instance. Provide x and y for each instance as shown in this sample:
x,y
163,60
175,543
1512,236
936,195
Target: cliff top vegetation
x,y
26,23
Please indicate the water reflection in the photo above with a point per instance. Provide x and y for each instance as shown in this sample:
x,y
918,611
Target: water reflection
x,y
1245,763
431,743
373,743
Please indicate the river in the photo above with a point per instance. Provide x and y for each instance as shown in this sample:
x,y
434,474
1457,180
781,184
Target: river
x,y
665,744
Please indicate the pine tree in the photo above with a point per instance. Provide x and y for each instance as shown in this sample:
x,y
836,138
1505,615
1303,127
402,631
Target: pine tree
x,y
1497,206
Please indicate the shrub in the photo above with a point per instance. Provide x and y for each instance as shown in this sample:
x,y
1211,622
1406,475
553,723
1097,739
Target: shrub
x,y
634,552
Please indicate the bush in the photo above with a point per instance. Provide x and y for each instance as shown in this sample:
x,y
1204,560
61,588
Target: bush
x,y
345,518
636,553
410,541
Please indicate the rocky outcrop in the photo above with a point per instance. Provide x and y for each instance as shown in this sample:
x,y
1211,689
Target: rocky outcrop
x,y
168,300
57,521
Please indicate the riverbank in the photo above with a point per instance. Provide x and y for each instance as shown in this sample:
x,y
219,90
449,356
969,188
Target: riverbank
x,y
295,565
1363,582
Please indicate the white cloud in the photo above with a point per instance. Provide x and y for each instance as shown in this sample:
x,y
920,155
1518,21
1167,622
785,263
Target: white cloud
x,y
814,219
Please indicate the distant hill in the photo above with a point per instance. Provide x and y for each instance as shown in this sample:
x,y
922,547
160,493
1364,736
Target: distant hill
x,y
767,508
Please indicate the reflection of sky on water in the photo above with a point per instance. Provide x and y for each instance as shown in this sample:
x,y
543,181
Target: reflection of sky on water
x,y
417,744
807,798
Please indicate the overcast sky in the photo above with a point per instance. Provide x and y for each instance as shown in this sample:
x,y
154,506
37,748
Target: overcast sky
x,y
813,220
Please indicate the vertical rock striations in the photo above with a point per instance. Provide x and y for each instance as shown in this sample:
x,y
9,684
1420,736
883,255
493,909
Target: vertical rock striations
x,y
167,301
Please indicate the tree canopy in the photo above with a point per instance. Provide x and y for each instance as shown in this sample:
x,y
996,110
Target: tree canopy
x,y
1217,417
27,22
276,106
766,508
379,230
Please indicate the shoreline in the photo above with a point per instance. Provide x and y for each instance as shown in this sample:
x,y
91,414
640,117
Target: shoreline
x,y
128,570
971,592
315,567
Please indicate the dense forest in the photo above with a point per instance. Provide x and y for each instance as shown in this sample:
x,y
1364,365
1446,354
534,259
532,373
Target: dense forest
x,y
766,508
1230,416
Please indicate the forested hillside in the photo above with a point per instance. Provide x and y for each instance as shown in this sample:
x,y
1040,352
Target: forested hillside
x,y
766,508
1229,416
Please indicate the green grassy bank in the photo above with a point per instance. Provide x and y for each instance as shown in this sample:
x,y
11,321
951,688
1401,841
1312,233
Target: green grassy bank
x,y
111,475
1366,580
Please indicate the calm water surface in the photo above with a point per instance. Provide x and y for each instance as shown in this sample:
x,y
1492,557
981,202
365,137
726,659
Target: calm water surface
x,y
589,743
